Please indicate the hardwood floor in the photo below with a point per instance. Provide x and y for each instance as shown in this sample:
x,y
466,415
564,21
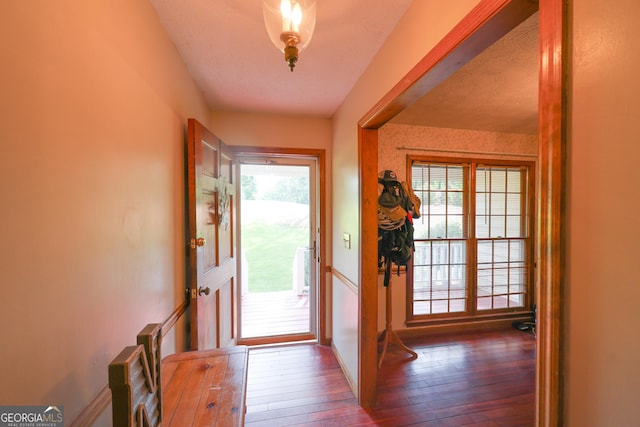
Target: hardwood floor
x,y
472,379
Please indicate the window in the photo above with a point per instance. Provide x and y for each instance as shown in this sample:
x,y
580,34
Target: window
x,y
473,243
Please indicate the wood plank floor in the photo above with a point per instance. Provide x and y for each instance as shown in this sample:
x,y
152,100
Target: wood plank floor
x,y
472,379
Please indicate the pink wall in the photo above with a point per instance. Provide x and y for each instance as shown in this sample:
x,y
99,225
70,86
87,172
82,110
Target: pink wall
x,y
92,122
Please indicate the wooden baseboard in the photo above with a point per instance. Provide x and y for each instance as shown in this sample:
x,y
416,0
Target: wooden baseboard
x,y
345,371
468,326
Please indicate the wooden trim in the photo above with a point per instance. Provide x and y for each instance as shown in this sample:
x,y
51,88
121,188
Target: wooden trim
x,y
245,150
322,265
491,19
462,327
170,322
343,366
277,340
552,137
368,280
484,25
528,204
344,279
94,409
320,155
509,316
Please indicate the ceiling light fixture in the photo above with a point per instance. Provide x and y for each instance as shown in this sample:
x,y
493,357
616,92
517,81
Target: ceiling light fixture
x,y
290,24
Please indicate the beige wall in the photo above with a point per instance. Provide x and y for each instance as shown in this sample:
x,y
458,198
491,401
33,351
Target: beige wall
x,y
422,26
93,106
602,290
92,121
460,143
267,130
270,130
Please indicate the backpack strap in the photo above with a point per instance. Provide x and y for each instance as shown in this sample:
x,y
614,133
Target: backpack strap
x,y
414,200
387,271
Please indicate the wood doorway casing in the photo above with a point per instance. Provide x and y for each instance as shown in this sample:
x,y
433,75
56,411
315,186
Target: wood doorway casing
x,y
320,156
486,23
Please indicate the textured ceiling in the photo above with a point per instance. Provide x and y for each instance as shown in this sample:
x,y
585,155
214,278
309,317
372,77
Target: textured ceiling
x,y
227,50
496,91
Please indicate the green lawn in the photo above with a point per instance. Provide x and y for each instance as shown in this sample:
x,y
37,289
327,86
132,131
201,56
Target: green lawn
x,y
269,249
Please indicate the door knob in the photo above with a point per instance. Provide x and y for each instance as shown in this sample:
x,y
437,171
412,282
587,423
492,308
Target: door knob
x,y
199,242
202,290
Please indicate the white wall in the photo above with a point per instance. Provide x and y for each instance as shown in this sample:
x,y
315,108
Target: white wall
x,y
92,122
423,25
602,291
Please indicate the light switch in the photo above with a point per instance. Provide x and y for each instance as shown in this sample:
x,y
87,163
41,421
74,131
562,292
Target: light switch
x,y
346,238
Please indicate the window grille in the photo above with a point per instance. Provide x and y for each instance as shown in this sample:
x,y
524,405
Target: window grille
x,y
472,241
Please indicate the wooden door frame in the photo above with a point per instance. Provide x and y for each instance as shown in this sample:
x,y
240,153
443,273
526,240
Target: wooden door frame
x,y
320,155
487,22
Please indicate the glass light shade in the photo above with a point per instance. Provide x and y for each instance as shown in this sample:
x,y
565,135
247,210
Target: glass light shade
x,y
286,18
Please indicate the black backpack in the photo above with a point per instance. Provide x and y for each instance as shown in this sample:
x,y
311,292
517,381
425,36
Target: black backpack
x,y
395,246
395,227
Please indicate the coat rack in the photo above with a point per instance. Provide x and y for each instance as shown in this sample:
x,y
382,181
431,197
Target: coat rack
x,y
389,335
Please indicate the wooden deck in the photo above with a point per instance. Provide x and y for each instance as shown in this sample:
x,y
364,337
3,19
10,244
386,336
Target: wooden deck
x,y
274,313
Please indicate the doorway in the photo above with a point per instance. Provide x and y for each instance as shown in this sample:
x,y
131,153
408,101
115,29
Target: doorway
x,y
278,216
471,33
